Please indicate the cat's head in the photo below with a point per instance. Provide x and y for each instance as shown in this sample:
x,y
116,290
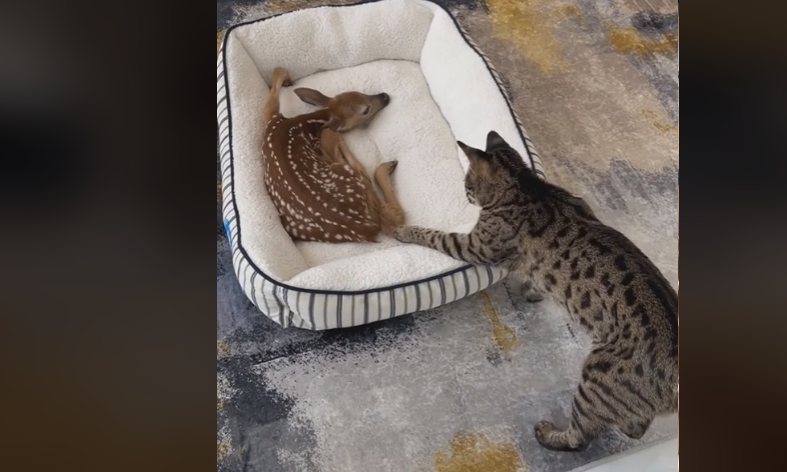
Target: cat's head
x,y
491,171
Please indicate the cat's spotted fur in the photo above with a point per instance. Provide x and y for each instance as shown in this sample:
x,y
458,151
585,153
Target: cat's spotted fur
x,y
556,245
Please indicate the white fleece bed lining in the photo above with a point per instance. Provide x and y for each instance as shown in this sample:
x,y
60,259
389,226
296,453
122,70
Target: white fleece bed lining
x,y
387,279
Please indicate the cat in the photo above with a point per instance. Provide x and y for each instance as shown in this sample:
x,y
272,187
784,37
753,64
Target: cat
x,y
554,243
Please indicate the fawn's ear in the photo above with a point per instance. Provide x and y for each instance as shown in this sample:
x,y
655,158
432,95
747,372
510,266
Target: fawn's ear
x,y
495,141
312,97
334,123
480,161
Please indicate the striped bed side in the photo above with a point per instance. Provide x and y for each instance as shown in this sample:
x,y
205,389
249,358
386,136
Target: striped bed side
x,y
319,311
266,295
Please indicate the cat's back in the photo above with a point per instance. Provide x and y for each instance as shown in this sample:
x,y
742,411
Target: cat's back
x,y
634,281
602,278
621,298
604,264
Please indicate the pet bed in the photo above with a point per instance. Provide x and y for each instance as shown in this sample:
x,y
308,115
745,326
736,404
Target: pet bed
x,y
442,89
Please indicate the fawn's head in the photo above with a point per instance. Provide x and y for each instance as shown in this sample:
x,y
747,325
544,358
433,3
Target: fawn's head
x,y
348,110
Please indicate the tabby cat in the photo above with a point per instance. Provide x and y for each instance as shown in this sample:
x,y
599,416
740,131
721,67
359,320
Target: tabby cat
x,y
553,242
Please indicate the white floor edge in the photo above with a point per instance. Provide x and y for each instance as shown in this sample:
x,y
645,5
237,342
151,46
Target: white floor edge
x,y
661,456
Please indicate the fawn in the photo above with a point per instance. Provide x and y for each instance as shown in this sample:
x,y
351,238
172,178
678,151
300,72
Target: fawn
x,y
319,188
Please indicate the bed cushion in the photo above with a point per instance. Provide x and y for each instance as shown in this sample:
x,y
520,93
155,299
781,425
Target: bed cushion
x,y
442,89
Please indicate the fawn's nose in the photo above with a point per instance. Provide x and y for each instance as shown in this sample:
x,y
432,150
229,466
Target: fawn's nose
x,y
386,98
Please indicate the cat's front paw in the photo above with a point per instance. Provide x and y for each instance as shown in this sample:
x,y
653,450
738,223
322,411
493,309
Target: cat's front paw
x,y
404,233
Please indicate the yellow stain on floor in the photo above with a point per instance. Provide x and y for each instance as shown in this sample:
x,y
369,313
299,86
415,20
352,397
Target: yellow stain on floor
x,y
219,39
504,336
574,11
222,348
275,7
475,453
282,6
658,123
631,41
223,449
528,24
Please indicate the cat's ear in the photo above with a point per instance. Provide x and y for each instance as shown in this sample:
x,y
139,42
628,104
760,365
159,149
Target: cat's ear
x,y
480,161
495,141
472,153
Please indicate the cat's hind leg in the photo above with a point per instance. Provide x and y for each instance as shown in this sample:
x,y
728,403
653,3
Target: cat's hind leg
x,y
635,428
585,424
605,399
596,408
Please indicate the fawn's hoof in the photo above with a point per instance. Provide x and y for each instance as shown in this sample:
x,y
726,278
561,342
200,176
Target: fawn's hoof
x,y
281,73
384,170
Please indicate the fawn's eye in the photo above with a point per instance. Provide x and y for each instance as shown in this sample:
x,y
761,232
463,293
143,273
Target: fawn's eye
x,y
366,110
